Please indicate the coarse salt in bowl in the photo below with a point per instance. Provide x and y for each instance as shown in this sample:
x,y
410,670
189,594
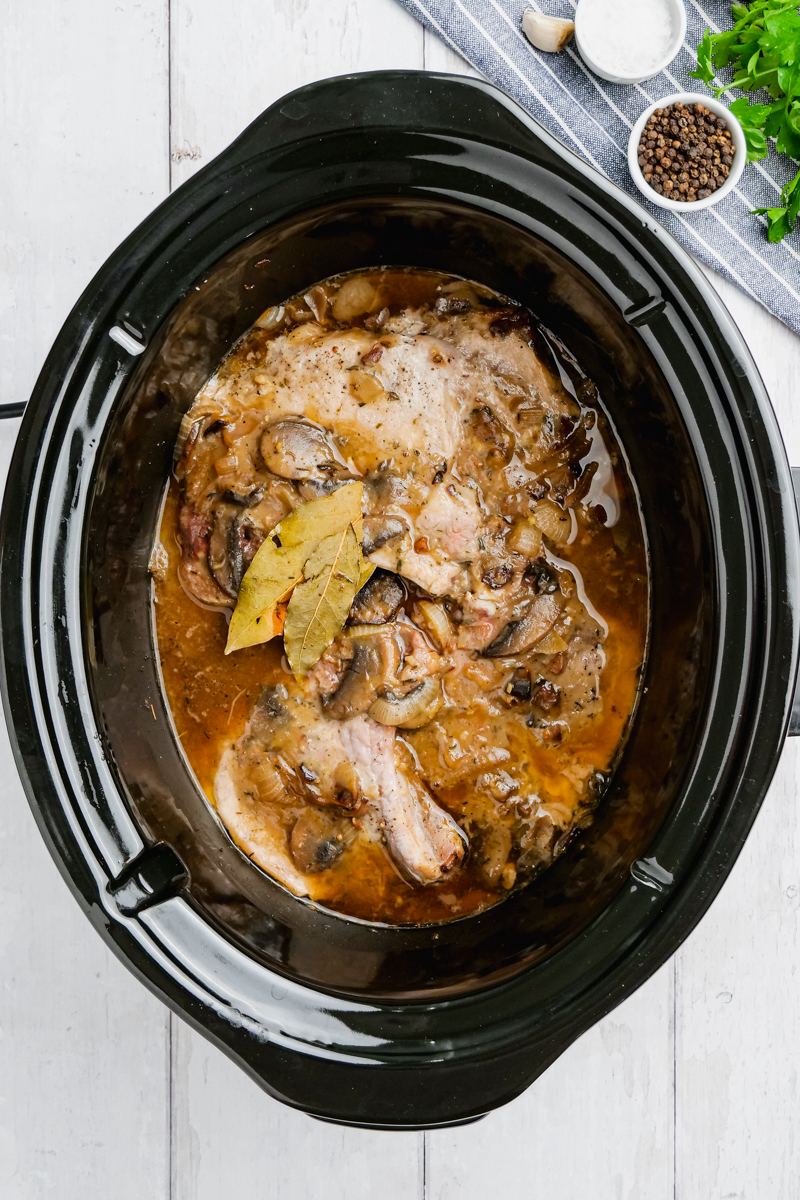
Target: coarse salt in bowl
x,y
739,158
628,41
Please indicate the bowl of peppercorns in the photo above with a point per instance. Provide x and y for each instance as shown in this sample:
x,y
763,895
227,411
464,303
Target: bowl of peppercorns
x,y
686,152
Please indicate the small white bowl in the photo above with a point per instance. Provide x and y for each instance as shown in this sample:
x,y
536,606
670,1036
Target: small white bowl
x,y
739,158
679,17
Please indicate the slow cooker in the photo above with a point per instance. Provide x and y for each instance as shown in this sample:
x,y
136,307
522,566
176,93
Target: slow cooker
x,y
350,1021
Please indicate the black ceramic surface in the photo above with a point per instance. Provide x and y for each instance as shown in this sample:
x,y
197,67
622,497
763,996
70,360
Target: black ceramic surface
x,y
351,1022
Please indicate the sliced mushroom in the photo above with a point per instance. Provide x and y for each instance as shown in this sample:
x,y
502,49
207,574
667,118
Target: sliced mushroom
x,y
295,449
271,712
493,851
490,437
513,320
315,489
225,556
518,687
197,580
339,788
245,499
537,843
522,635
449,306
254,826
373,667
386,489
196,423
498,575
231,547
317,301
379,599
543,576
193,569
380,531
318,839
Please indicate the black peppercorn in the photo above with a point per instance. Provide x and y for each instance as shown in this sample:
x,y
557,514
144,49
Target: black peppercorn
x,y
695,138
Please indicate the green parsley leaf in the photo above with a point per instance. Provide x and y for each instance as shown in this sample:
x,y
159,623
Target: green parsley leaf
x,y
763,48
705,66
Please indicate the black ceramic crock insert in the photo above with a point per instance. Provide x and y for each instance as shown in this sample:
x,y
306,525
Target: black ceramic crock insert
x,y
397,1028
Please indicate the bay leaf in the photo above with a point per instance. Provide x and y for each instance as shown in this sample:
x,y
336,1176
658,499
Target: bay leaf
x,y
319,519
268,581
320,604
367,568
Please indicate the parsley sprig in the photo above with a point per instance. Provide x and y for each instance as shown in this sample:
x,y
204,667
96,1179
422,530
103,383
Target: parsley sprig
x,y
764,49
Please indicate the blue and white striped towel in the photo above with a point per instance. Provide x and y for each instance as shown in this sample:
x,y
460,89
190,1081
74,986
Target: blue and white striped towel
x,y
595,118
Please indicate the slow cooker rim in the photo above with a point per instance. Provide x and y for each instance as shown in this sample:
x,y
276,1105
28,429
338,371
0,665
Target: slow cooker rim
x,y
26,737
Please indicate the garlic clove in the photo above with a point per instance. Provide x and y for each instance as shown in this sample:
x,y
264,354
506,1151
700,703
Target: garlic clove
x,y
547,33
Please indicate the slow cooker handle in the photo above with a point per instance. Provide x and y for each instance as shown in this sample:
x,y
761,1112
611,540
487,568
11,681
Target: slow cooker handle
x,y
15,409
794,720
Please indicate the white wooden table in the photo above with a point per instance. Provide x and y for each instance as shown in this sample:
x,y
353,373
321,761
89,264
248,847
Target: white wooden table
x,y
688,1090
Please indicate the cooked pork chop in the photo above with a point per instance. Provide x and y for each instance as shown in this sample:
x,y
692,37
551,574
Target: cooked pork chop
x,y
494,505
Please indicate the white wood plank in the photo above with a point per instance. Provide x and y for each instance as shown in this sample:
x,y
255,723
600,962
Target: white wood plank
x,y
231,1139
738,1004
738,1013
83,1063
83,1048
83,142
270,49
598,1124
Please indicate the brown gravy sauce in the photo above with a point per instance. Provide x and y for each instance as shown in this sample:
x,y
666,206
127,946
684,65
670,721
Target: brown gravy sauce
x,y
486,753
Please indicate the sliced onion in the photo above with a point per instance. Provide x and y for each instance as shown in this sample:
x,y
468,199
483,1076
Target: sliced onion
x,y
317,301
268,783
361,631
272,318
552,644
365,387
354,297
411,711
192,422
462,291
554,523
437,622
186,430
525,538
347,779
297,311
